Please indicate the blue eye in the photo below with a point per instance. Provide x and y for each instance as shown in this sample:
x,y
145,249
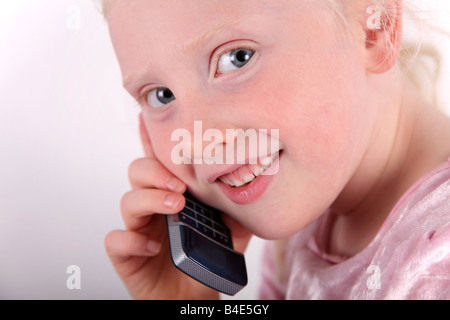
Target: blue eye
x,y
234,59
159,97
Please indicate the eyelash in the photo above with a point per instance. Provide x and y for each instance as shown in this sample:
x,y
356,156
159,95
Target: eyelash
x,y
217,57
142,98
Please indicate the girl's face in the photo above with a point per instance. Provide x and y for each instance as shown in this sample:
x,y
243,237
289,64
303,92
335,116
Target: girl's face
x,y
294,70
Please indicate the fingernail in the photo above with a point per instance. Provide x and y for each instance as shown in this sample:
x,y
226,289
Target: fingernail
x,y
153,246
174,184
172,200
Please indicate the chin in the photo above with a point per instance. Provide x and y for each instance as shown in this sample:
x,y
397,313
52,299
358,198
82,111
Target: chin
x,y
273,230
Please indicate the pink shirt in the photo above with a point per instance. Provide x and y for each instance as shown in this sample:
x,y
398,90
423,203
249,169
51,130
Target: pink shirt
x,y
408,259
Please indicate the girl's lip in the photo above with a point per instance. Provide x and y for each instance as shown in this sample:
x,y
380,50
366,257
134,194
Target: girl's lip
x,y
254,190
230,168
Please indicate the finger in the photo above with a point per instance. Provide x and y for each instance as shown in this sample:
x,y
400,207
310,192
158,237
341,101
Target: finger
x,y
121,245
138,206
145,139
150,173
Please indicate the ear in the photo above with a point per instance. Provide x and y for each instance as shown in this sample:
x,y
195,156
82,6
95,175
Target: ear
x,y
383,30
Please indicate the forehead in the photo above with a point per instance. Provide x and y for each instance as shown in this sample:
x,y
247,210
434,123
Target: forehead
x,y
143,26
178,20
161,10
147,34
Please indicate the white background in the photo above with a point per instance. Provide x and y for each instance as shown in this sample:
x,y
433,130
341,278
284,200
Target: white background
x,y
68,132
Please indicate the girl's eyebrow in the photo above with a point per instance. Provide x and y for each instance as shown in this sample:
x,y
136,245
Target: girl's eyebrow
x,y
192,45
201,40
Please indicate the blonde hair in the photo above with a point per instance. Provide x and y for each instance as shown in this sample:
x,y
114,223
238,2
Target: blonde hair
x,y
420,61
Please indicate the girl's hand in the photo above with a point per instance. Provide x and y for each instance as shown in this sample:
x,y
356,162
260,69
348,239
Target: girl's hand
x,y
141,254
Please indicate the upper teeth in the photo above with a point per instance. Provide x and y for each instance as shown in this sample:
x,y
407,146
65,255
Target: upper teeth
x,y
248,173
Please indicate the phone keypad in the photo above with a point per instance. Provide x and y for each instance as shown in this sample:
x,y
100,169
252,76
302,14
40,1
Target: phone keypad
x,y
205,220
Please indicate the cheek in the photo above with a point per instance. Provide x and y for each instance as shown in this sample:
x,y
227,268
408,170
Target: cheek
x,y
320,113
160,137
180,147
327,135
318,116
324,123
324,106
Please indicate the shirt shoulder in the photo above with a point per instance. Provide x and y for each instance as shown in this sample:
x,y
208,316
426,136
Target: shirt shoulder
x,y
413,252
430,193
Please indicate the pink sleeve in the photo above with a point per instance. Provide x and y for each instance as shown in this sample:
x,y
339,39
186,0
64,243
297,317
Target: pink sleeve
x,y
271,288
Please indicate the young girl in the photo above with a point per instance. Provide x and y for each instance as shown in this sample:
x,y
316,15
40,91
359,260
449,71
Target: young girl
x,y
361,192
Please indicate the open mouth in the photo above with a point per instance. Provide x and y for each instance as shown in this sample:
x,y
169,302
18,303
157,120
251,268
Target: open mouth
x,y
247,173
249,182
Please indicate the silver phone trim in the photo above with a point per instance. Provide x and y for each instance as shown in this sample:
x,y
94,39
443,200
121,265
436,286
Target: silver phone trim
x,y
190,267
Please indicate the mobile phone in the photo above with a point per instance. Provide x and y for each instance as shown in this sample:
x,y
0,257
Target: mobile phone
x,y
201,246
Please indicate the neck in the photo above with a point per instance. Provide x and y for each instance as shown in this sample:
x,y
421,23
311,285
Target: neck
x,y
405,145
